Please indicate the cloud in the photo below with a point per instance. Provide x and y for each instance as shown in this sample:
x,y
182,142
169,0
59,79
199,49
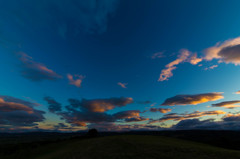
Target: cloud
x,y
82,118
35,71
85,112
124,127
194,60
231,117
211,67
123,85
229,122
191,124
101,105
127,114
11,106
53,106
60,126
136,119
17,112
157,55
76,82
238,92
184,56
227,51
192,99
196,114
153,104
162,110
227,104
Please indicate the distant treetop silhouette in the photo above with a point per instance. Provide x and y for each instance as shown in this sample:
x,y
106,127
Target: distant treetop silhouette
x,y
92,133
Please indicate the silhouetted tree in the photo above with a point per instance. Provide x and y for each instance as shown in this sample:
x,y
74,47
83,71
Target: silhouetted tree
x,y
92,133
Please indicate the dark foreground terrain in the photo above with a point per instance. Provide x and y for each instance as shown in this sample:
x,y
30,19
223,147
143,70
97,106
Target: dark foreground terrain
x,y
120,147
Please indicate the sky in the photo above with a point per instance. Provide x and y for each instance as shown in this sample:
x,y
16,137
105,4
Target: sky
x,y
119,65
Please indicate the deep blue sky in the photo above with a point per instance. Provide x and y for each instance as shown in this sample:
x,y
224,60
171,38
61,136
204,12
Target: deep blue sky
x,y
111,41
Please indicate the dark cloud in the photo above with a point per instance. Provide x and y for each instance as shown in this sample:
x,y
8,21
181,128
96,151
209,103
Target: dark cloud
x,y
127,114
191,124
227,51
162,110
35,71
53,106
84,112
231,54
227,104
79,118
178,117
192,99
17,112
209,124
231,117
136,119
100,105
60,126
123,127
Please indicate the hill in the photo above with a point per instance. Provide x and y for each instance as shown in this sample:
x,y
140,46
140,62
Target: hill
x,y
124,146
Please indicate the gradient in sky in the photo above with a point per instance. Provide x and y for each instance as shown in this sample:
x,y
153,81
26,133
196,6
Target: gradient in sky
x,y
119,65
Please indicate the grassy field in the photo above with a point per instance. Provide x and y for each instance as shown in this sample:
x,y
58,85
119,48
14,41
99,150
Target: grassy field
x,y
125,146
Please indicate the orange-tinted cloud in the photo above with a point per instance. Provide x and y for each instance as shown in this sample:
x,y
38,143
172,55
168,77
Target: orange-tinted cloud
x,y
238,92
192,99
227,104
101,105
194,60
35,71
76,82
162,110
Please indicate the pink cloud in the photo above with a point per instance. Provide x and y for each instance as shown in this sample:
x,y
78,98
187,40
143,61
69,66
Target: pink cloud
x,y
76,82
123,85
35,71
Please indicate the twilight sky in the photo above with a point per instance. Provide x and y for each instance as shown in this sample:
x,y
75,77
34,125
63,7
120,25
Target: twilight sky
x,y
119,65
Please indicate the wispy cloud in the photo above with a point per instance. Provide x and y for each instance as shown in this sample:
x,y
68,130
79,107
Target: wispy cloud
x,y
162,110
196,114
35,71
123,85
184,56
76,82
157,55
211,67
227,104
